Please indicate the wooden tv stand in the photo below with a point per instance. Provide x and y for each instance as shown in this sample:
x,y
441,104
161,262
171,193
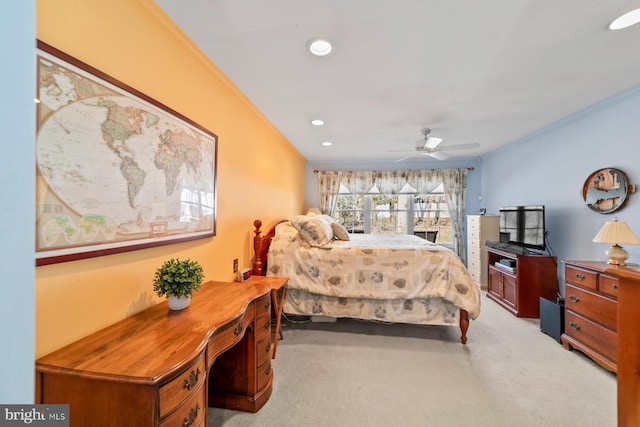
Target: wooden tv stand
x,y
163,368
519,292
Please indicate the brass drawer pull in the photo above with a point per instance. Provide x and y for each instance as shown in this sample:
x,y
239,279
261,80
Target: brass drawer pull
x,y
267,303
574,298
267,324
268,370
193,414
193,379
238,329
267,347
575,326
615,287
580,276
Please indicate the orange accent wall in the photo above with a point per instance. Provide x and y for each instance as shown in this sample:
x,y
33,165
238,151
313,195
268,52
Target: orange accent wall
x,y
260,174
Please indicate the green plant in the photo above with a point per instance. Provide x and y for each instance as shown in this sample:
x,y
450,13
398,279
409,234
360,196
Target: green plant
x,y
178,278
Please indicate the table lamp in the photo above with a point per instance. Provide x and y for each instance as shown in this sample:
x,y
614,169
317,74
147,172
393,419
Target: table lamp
x,y
616,232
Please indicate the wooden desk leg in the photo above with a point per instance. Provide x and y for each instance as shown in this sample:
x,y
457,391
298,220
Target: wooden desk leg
x,y
277,305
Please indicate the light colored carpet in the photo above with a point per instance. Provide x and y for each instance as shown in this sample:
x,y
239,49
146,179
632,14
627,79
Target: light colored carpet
x,y
355,373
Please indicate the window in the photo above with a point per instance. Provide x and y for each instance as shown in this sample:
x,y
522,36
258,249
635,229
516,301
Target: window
x,y
403,213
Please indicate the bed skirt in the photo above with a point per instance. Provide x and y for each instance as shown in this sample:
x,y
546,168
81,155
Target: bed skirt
x,y
429,311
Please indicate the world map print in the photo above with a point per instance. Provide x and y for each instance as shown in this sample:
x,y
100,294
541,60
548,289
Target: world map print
x,y
114,170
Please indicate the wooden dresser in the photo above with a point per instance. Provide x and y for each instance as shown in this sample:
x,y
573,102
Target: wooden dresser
x,y
163,368
480,228
629,348
591,306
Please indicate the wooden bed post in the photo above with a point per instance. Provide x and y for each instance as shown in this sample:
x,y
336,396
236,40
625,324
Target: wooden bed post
x,y
464,325
257,249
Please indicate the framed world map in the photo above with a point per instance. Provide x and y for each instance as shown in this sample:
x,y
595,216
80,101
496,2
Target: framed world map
x,y
116,170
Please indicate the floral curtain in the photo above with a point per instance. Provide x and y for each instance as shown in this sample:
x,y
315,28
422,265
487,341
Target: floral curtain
x,y
455,190
391,182
329,189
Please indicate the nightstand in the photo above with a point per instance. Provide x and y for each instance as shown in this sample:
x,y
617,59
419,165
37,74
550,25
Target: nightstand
x,y
278,288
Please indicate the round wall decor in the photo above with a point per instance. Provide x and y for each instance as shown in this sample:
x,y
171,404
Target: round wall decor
x,y
606,190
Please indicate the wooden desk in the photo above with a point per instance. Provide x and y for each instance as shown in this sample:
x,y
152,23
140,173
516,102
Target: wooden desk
x,y
163,368
278,288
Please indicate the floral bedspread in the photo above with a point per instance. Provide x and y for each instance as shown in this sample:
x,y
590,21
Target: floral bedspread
x,y
373,267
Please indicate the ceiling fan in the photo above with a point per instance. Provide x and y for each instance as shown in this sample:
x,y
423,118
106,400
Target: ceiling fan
x,y
430,146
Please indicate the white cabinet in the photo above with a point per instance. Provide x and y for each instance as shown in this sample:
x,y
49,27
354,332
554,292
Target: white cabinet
x,y
479,229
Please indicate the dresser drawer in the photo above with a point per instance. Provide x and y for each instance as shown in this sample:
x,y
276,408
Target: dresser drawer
x,y
177,390
608,285
191,413
473,221
473,234
263,305
264,374
263,347
226,338
593,306
474,252
263,326
580,277
591,334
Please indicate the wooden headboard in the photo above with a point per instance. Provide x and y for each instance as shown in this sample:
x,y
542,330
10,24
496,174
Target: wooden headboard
x,y
261,247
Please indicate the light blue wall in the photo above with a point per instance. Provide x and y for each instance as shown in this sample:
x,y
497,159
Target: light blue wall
x,y
17,190
550,167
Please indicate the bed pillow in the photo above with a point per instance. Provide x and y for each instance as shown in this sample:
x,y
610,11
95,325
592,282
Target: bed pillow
x,y
315,230
328,218
339,231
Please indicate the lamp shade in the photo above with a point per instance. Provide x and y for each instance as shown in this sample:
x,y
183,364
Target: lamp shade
x,y
616,232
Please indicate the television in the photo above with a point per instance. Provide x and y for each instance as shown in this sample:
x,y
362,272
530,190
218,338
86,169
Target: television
x,y
523,226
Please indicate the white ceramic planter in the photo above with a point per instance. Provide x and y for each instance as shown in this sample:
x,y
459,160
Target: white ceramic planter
x,y
178,303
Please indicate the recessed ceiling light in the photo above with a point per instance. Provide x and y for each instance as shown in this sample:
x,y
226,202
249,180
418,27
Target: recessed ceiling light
x,y
626,20
327,144
320,46
317,122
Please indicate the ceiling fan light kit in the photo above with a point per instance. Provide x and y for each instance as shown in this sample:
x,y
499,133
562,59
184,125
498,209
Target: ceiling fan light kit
x,y
430,146
432,142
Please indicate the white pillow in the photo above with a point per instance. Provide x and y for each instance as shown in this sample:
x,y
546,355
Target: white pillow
x,y
339,231
315,230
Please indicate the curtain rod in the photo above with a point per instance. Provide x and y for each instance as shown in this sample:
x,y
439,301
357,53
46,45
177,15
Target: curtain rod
x,y
469,168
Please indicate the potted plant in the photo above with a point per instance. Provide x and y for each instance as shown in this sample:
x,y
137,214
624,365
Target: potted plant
x,y
178,280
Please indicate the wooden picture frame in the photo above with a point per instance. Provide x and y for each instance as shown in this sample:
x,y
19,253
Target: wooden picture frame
x,y
116,170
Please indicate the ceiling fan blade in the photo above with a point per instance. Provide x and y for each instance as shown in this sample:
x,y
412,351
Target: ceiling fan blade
x,y
436,155
407,157
460,146
432,142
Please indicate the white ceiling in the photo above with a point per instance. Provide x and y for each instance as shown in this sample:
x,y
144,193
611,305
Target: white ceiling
x,y
489,71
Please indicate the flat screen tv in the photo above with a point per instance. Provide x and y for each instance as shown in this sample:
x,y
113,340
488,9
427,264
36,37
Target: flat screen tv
x,y
523,226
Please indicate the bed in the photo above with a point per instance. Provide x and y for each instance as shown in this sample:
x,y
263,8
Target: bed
x,y
388,278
